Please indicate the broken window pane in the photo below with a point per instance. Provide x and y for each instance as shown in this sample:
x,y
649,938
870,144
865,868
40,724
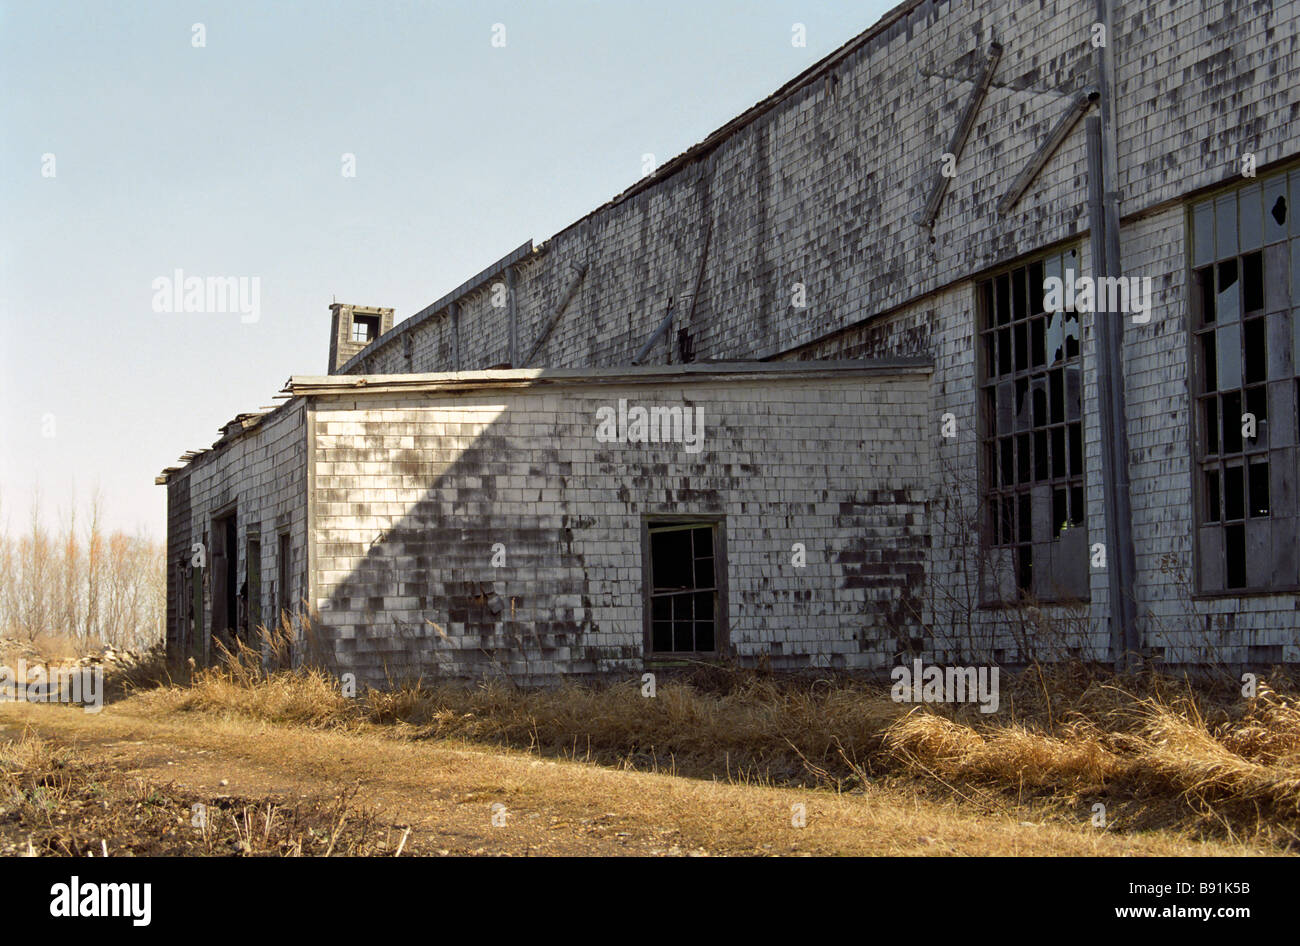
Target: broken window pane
x,y
1076,505
1212,498
1235,553
1256,351
1056,395
1036,288
672,560
1259,489
1205,290
1211,406
1252,283
1025,568
1234,493
1209,362
1019,296
1232,422
1071,335
1055,335
1226,301
1040,402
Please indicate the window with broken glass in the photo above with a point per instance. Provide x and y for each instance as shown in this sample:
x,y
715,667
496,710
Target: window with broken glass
x,y
1244,295
1032,436
684,596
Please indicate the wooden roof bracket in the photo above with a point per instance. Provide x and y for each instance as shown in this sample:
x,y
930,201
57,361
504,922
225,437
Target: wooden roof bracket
x,y
1075,111
927,215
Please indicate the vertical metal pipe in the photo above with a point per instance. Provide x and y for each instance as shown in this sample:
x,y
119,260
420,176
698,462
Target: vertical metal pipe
x,y
1114,435
1127,603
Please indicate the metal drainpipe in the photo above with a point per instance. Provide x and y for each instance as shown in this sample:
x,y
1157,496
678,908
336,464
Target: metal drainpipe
x,y
1103,168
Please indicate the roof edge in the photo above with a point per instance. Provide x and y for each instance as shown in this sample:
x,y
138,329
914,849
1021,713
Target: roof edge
x,y
726,371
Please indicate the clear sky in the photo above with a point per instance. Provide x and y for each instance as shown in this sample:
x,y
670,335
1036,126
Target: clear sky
x,y
227,160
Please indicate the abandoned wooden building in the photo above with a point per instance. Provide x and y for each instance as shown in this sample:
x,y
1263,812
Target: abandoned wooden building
x,y
976,341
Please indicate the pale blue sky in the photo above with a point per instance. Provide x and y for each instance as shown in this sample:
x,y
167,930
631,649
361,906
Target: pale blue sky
x,y
226,161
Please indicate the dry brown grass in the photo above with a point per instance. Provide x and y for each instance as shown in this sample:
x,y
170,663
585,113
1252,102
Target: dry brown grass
x,y
1158,751
53,802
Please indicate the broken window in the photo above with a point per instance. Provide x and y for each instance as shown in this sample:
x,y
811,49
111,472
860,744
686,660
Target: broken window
x,y
1032,432
685,603
365,328
1244,300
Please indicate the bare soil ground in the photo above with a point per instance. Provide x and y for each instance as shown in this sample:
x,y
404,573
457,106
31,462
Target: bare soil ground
x,y
126,779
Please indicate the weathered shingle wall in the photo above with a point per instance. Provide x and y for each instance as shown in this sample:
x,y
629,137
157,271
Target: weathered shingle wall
x,y
264,473
413,492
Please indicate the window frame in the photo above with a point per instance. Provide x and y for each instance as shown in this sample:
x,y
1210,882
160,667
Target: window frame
x,y
651,523
1195,329
990,544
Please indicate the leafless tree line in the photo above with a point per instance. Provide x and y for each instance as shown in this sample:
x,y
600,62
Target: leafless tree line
x,y
79,585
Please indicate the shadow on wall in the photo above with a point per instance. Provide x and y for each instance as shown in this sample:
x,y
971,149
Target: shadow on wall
x,y
518,528
468,582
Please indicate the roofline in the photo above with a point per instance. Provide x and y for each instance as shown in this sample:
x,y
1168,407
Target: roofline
x,y
719,371
521,252
710,143
692,154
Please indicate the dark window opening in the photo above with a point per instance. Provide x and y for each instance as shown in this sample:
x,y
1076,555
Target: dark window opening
x,y
365,328
1258,490
1234,494
1256,351
683,589
1235,553
1252,283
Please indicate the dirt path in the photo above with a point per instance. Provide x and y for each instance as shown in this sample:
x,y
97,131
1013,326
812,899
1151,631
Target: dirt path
x,y
446,793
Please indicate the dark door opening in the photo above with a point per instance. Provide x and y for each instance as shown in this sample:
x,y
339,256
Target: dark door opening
x,y
225,578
